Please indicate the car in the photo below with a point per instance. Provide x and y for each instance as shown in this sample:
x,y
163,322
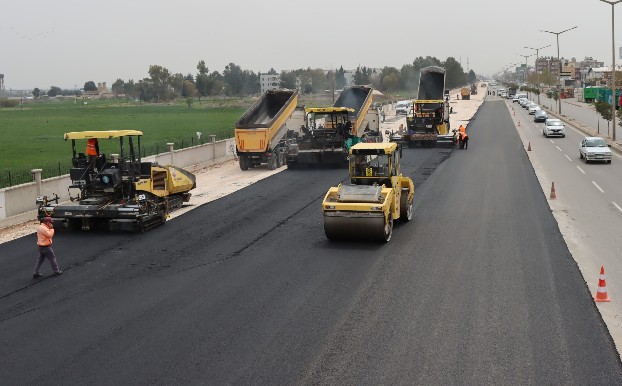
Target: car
x,y
553,127
594,149
528,105
402,107
521,101
533,108
540,116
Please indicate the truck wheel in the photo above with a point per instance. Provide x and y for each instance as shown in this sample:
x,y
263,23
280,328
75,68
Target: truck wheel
x,y
243,163
406,207
272,162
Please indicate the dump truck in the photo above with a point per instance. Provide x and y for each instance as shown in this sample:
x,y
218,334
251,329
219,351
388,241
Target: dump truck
x,y
329,132
261,132
474,89
118,192
465,93
376,196
428,122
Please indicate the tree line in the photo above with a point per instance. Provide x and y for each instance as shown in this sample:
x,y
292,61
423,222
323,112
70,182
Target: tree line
x,y
162,85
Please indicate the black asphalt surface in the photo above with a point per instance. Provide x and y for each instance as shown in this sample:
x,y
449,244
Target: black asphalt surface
x,y
478,289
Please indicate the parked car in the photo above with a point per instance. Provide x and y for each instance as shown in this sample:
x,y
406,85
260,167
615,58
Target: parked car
x,y
553,127
533,108
540,116
594,149
529,104
401,107
521,101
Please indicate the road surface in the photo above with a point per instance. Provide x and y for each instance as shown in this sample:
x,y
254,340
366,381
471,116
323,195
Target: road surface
x,y
478,289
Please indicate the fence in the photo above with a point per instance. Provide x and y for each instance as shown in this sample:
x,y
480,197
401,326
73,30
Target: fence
x,y
14,177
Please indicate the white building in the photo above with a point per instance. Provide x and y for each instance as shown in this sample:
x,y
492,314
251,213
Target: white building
x,y
269,82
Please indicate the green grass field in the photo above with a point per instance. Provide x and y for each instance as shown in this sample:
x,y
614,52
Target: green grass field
x,y
32,137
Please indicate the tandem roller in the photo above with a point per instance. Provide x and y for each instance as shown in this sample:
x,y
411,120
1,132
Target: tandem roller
x,y
377,195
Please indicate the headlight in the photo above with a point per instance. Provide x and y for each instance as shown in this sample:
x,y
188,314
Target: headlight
x,y
142,198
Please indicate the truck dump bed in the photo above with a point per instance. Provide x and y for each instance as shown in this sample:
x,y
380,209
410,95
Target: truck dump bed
x,y
358,98
262,126
431,83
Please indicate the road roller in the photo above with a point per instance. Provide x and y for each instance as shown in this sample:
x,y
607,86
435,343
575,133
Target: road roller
x,y
376,196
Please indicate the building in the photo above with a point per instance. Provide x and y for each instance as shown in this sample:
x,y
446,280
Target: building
x,y
102,92
269,82
601,76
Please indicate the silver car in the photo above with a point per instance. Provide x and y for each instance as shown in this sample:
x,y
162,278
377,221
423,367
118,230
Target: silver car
x,y
553,127
594,149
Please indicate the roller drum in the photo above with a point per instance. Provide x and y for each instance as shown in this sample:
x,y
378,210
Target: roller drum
x,y
357,228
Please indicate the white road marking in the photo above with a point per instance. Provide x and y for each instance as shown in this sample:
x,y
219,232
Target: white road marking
x,y
553,142
558,148
581,170
569,159
616,205
598,187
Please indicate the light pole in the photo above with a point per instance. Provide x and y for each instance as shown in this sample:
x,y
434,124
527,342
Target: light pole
x,y
525,71
536,66
559,63
613,68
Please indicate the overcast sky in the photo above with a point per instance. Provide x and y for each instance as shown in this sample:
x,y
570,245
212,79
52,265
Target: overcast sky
x,y
69,42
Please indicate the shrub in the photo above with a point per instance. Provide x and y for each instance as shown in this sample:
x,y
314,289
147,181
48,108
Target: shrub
x,y
8,102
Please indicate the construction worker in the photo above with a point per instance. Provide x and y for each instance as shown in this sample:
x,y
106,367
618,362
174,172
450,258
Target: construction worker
x,y
464,140
92,151
462,129
45,232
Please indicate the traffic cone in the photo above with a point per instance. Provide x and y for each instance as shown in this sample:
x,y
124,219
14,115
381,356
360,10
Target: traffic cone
x,y
553,194
601,292
519,123
529,146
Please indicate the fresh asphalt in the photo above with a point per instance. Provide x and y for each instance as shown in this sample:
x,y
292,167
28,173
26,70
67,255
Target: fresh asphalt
x,y
479,288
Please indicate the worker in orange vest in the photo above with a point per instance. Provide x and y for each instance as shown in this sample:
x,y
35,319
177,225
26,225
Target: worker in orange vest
x,y
462,129
92,150
464,140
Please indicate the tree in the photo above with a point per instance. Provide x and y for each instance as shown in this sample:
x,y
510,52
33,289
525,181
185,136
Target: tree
x,y
129,89
160,84
117,87
471,77
272,72
340,78
602,108
90,86
409,77
233,77
54,91
188,89
389,79
288,79
36,92
318,80
454,74
189,101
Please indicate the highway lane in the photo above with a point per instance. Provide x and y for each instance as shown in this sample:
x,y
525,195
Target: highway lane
x,y
479,288
589,207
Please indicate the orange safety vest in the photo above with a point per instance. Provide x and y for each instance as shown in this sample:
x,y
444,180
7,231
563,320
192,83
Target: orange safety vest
x,y
462,129
91,148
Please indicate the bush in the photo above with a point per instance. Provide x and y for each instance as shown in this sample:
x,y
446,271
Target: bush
x,y
8,102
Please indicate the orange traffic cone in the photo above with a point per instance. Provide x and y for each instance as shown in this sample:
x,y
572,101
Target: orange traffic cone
x,y
519,123
529,146
553,194
601,292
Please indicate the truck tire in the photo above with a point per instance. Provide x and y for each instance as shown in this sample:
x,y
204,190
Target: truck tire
x,y
272,161
388,229
243,163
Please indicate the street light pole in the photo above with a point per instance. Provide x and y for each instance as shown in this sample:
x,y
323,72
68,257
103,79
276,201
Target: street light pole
x,y
536,66
525,72
559,63
613,68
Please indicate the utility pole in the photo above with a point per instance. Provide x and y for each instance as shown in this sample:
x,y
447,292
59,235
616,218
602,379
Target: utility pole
x,y
559,64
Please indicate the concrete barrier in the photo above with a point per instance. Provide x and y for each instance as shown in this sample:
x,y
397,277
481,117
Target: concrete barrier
x,y
18,203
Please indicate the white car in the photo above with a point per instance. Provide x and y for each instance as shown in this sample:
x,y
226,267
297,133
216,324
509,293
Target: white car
x,y
594,149
553,127
533,108
529,104
402,107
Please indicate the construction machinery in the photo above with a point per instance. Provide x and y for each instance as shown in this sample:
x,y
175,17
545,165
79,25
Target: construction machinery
x,y
119,192
260,134
465,93
376,196
428,122
474,89
329,132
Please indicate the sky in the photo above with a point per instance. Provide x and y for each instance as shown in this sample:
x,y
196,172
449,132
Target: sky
x,y
66,43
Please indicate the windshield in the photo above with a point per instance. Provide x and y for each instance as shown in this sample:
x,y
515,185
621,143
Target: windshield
x,y
595,143
555,124
370,165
